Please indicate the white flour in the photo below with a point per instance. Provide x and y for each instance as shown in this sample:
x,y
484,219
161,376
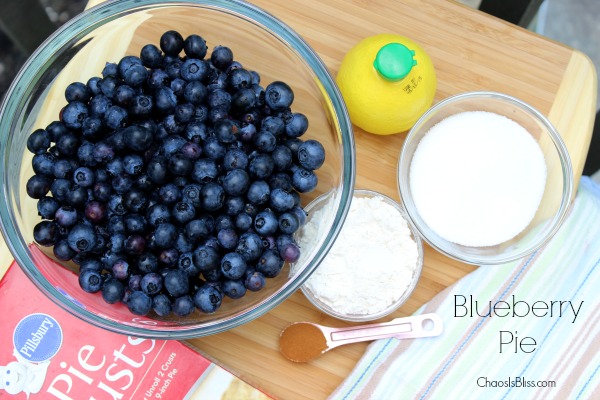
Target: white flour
x,y
370,265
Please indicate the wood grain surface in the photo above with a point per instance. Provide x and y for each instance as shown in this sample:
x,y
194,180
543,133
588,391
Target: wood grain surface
x,y
471,51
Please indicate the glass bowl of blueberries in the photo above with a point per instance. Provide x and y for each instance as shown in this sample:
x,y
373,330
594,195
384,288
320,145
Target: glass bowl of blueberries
x,y
156,161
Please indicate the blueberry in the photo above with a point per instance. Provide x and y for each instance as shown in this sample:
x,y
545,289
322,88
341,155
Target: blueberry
x,y
139,303
304,180
288,223
59,189
77,197
77,91
91,263
113,291
45,233
83,176
226,131
151,283
281,180
39,141
254,281
265,222
281,200
135,245
233,266
116,242
193,70
165,100
221,57
169,193
90,280
115,205
93,86
172,145
141,105
233,205
289,252
195,92
191,194
99,104
269,263
243,222
236,182
161,304
168,257
282,158
91,128
176,282
213,277
258,192
126,63
38,186
135,224
63,169
85,155
213,149
249,246
206,258
234,289
73,114
235,159
296,126
183,212
239,78
171,43
67,144
212,196
208,299
121,183
183,306
191,151
180,165
311,154
261,166
247,133
278,95
43,164
115,224
103,152
120,269
186,264
227,238
110,69
199,228
147,262
125,94
273,124
135,75
151,56
173,67
195,46
66,216
137,138
102,191
184,113
133,164
165,235
47,207
219,98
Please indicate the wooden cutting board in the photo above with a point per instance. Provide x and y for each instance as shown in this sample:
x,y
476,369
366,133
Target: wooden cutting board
x,y
471,51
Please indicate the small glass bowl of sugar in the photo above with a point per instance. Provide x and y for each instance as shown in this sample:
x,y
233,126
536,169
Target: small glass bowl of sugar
x,y
485,178
374,264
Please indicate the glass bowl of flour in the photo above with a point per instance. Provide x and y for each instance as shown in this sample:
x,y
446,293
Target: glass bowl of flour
x,y
373,266
485,178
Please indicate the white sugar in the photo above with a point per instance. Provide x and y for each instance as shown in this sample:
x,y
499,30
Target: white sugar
x,y
477,178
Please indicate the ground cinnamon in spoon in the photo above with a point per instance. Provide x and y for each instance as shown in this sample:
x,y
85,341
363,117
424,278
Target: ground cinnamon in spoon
x,y
302,341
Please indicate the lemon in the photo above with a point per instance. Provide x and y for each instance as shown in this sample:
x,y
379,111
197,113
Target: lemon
x,y
387,82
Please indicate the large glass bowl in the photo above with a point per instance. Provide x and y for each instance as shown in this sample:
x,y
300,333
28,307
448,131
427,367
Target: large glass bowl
x,y
557,192
79,50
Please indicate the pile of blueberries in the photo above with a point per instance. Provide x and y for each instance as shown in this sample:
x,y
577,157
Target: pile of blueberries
x,y
173,179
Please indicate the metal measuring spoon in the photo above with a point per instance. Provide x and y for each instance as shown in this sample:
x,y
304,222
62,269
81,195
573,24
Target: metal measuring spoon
x,y
305,341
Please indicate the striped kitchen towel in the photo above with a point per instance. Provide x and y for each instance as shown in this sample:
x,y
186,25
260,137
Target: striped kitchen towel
x,y
529,329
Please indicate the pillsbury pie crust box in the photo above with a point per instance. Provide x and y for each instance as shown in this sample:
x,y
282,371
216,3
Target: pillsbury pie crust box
x,y
47,353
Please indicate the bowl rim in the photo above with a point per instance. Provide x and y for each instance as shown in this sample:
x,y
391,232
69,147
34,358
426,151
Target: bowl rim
x,y
567,178
416,236
85,23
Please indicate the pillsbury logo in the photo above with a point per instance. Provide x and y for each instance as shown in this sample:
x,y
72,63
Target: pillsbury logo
x,y
36,339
